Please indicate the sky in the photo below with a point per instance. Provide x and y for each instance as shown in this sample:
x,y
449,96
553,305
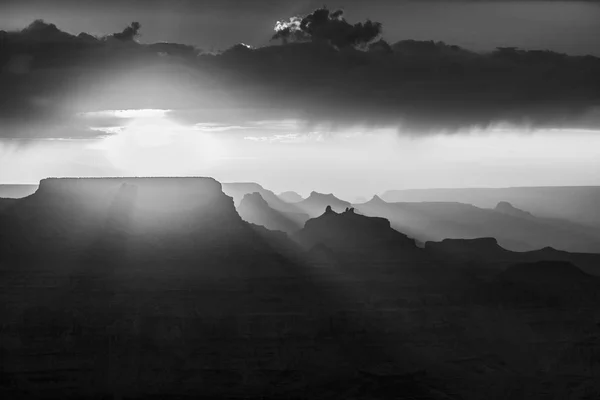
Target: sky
x,y
323,114
564,26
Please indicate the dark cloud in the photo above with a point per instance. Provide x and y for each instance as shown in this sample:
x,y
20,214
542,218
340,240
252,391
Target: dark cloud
x,y
422,86
48,76
327,26
129,33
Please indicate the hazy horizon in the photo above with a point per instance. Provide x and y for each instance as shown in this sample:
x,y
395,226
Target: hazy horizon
x,y
348,165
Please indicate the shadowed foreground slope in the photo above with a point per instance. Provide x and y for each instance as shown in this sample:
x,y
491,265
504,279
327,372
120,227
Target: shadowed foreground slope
x,y
138,287
156,288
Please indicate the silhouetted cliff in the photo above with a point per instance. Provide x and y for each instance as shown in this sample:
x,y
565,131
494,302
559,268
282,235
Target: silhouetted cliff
x,y
315,204
187,215
351,233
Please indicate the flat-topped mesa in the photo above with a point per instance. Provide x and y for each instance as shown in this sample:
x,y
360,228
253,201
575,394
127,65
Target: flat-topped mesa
x,y
324,196
191,212
180,200
91,182
152,193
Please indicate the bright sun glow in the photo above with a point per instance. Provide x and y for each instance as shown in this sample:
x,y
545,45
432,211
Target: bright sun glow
x,y
153,145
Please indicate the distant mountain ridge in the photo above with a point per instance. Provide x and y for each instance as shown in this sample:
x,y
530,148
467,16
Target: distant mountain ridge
x,y
16,191
515,229
578,204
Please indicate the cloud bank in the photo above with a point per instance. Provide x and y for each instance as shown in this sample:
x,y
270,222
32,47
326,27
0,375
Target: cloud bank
x,y
328,72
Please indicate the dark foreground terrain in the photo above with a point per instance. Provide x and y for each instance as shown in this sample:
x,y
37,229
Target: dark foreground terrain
x,y
156,288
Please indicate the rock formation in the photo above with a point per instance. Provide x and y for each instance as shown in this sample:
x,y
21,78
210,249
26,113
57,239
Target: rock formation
x,y
290,197
253,208
315,204
352,233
